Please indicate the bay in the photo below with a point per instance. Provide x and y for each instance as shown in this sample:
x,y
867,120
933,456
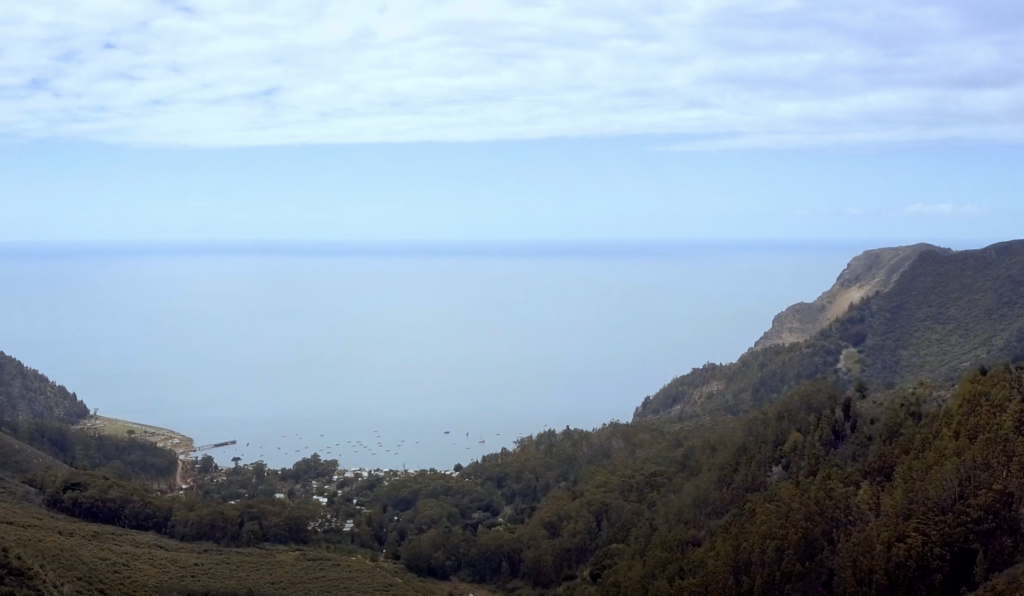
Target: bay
x,y
295,350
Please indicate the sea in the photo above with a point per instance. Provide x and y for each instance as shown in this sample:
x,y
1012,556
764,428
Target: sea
x,y
390,355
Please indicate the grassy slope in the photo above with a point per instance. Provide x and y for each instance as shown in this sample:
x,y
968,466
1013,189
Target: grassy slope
x,y
58,555
18,458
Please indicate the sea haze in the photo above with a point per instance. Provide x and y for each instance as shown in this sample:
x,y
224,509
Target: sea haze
x,y
270,344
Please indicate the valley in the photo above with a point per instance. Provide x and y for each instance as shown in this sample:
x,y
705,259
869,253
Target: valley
x,y
881,454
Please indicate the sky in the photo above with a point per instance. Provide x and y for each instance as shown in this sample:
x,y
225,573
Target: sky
x,y
511,120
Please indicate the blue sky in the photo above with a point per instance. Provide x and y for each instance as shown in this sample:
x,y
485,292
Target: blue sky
x,y
511,120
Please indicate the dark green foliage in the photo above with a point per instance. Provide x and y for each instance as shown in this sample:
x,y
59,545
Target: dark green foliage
x,y
206,464
758,377
46,554
125,458
948,312
805,496
18,458
310,468
25,393
100,499
16,577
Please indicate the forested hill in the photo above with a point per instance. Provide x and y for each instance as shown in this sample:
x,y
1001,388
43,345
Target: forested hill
x,y
866,274
946,312
26,393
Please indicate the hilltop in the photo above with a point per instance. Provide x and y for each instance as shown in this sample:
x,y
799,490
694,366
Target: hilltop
x,y
933,314
873,271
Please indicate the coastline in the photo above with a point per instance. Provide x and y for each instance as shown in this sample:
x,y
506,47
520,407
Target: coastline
x,y
182,445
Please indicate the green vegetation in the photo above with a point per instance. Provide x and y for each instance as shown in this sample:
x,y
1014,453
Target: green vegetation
x,y
97,498
18,458
824,467
822,492
44,554
122,457
25,393
945,314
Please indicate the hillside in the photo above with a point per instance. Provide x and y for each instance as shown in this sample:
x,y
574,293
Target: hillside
x,y
25,393
943,313
19,458
44,553
871,272
1009,583
947,313
824,467
915,491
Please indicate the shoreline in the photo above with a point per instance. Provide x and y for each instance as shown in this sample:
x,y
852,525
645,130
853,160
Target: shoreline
x,y
181,444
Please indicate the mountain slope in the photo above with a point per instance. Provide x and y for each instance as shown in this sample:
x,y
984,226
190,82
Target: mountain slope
x,y
943,313
917,491
947,313
26,393
870,272
44,553
18,458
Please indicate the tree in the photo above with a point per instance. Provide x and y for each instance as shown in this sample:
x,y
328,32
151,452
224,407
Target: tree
x,y
207,464
235,460
130,433
259,470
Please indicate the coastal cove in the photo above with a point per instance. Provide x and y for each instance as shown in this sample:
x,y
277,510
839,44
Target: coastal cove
x,y
295,353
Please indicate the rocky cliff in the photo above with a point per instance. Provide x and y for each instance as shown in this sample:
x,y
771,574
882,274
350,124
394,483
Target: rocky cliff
x,y
927,314
870,272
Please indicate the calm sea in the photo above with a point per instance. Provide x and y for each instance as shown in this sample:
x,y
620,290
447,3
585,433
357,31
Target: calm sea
x,y
296,349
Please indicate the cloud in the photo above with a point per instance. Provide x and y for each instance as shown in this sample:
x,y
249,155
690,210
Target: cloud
x,y
723,74
942,209
914,210
922,209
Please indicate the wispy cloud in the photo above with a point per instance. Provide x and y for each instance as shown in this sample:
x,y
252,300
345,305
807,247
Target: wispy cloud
x,y
725,74
914,210
942,209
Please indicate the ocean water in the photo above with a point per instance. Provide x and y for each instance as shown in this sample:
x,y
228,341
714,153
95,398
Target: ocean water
x,y
296,350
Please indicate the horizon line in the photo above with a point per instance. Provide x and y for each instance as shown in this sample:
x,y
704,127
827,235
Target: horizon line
x,y
444,248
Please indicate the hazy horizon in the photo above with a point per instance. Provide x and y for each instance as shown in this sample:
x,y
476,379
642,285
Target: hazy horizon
x,y
255,346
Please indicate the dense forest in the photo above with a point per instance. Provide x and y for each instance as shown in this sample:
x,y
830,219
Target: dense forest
x,y
43,554
824,491
947,312
125,458
26,393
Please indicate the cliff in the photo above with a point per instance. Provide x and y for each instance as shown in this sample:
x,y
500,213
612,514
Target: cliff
x,y
871,272
895,316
